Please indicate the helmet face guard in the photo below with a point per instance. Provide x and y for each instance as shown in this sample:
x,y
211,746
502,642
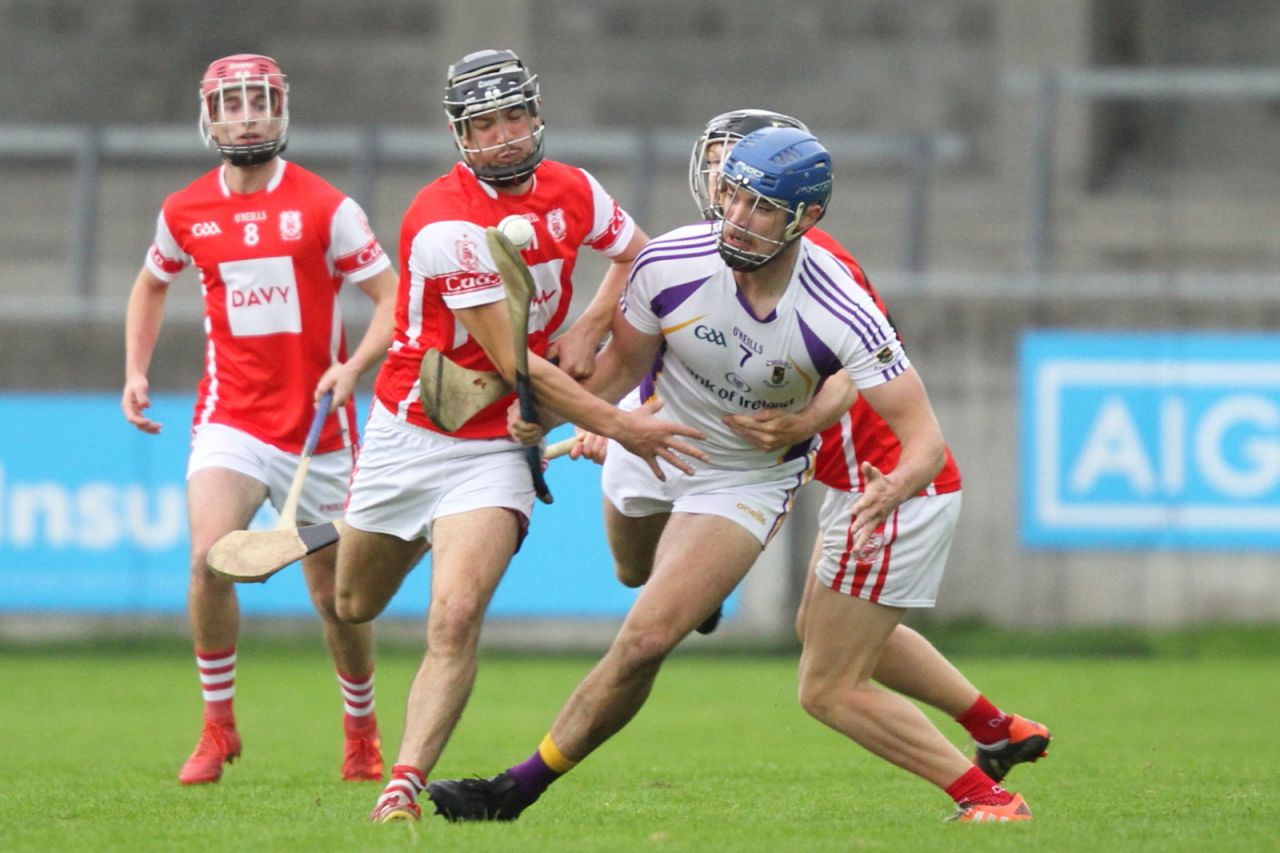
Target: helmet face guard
x,y
783,169
230,93
712,147
486,86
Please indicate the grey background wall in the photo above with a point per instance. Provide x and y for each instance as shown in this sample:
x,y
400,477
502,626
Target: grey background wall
x,y
1149,193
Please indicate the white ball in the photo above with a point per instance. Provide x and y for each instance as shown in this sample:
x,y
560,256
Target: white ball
x,y
518,230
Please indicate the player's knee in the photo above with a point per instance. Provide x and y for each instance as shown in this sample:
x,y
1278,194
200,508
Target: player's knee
x,y
644,649
202,577
453,624
325,603
631,575
352,608
816,697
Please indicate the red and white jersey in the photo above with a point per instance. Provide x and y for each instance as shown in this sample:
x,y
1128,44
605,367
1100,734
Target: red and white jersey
x,y
271,264
861,435
445,264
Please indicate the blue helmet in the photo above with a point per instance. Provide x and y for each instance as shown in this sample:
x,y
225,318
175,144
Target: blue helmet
x,y
785,167
721,133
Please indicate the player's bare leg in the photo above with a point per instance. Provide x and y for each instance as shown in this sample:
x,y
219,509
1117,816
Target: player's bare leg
x,y
633,543
699,560
219,501
351,647
471,551
370,569
843,639
911,665
908,662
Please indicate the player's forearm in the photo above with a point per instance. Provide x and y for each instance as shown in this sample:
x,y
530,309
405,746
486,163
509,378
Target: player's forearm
x,y
561,394
923,455
833,399
143,319
377,337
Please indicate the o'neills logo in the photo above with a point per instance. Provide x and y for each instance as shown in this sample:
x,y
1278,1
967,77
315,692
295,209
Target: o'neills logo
x,y
461,282
753,512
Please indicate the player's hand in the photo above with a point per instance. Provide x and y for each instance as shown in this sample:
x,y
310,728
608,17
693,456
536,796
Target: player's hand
x,y
770,430
574,354
134,401
880,497
340,379
521,431
589,446
652,439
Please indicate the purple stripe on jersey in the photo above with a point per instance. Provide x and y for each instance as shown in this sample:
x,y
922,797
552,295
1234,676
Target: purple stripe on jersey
x,y
795,451
820,354
674,250
648,385
896,370
694,252
827,293
751,312
673,297
660,244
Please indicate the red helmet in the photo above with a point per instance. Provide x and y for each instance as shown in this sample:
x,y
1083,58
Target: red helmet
x,y
238,74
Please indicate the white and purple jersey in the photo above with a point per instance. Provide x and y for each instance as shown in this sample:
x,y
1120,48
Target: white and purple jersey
x,y
718,359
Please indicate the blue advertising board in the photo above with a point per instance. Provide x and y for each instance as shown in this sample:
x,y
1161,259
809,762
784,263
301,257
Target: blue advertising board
x,y
93,519
1167,440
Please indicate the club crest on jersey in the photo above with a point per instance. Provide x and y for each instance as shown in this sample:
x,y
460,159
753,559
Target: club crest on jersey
x,y
885,355
777,375
555,223
291,224
466,254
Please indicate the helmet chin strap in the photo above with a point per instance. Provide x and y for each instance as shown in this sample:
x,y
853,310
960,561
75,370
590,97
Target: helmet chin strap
x,y
252,155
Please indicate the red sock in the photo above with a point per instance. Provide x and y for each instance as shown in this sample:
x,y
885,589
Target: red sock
x,y
985,723
218,684
977,788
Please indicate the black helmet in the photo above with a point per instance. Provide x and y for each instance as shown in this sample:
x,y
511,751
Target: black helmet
x,y
488,81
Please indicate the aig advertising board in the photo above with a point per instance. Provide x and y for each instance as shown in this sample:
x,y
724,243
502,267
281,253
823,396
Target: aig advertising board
x,y
93,519
1163,440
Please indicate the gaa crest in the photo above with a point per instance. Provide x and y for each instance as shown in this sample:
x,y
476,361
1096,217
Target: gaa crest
x,y
555,223
466,254
291,224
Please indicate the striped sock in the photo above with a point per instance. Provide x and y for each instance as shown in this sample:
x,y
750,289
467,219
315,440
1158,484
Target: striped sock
x,y
406,784
357,701
218,683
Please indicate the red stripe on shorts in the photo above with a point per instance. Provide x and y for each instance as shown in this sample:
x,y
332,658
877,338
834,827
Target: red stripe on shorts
x,y
884,563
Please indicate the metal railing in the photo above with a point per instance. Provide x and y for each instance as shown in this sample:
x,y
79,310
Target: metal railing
x,y
643,153
1102,84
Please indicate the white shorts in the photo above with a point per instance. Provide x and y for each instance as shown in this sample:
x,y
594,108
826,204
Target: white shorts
x,y
325,492
407,477
757,499
907,570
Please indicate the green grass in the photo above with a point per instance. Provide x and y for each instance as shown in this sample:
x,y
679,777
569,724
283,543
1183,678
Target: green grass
x,y
1161,744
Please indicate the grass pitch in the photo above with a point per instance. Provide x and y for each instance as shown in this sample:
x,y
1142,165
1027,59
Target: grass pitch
x,y
1160,744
